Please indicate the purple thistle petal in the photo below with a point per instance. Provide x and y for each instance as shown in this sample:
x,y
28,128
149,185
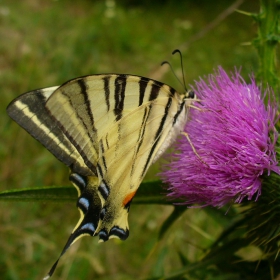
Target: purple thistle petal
x,y
234,134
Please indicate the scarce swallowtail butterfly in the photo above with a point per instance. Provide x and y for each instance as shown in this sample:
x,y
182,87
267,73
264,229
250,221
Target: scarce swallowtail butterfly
x,y
108,129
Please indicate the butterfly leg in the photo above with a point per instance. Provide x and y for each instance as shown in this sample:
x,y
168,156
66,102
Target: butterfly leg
x,y
193,148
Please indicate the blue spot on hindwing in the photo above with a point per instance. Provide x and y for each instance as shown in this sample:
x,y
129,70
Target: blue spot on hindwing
x,y
78,181
102,213
103,235
84,203
119,232
89,227
104,190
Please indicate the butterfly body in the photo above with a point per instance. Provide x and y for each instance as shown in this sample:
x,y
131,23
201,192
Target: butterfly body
x,y
108,129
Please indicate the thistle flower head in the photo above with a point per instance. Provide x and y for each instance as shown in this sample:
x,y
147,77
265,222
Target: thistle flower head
x,y
234,136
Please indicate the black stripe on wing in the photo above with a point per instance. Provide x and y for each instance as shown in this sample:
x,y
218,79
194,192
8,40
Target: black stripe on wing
x,y
84,155
103,158
157,135
120,85
154,92
106,80
141,136
29,111
181,108
142,87
84,92
86,120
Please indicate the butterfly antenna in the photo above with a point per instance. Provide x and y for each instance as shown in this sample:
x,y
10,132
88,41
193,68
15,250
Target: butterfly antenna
x,y
167,62
182,66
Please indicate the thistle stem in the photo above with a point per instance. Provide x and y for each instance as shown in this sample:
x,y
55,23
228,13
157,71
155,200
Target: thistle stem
x,y
267,40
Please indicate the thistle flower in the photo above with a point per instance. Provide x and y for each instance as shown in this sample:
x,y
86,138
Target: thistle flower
x,y
234,136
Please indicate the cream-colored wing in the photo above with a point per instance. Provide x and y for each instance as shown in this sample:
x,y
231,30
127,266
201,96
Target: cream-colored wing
x,y
29,111
127,151
86,108
119,124
108,129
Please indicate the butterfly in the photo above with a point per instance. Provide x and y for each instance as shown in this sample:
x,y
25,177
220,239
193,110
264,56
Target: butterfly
x,y
108,129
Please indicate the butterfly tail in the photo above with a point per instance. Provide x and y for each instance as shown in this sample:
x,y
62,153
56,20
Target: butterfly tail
x,y
89,205
70,241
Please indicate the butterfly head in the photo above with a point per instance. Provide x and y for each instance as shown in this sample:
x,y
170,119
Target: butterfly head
x,y
190,95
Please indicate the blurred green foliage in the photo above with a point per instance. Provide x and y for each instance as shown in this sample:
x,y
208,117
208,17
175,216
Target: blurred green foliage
x,y
45,43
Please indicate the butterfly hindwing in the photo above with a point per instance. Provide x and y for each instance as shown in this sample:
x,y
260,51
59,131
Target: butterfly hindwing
x,y
145,133
89,205
118,123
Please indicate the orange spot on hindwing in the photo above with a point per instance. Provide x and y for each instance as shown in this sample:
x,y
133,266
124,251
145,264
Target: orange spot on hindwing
x,y
128,199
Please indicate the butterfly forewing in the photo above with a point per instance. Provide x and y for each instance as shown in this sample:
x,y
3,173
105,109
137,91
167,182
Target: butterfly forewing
x,y
29,111
86,108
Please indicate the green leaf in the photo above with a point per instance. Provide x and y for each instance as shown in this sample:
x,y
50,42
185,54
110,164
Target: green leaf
x,y
183,259
57,194
222,256
150,192
158,268
223,216
177,212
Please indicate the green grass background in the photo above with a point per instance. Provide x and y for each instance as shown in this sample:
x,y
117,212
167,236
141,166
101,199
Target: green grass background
x,y
45,43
